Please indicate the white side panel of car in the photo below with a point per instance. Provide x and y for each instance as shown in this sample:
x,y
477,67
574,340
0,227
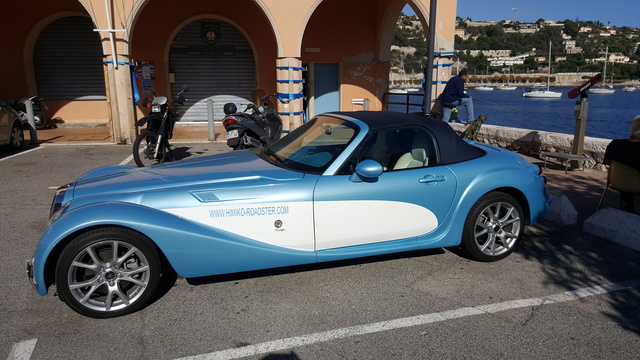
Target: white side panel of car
x,y
337,223
288,225
348,223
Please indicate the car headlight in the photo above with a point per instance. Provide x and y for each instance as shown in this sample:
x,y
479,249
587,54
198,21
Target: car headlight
x,y
58,200
60,212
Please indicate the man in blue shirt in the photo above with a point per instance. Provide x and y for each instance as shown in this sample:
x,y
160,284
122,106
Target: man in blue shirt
x,y
454,96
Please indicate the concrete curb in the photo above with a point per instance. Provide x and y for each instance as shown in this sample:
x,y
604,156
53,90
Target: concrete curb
x,y
561,210
615,225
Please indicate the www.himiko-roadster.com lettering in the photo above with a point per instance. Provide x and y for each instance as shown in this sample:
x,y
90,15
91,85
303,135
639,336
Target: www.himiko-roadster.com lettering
x,y
249,211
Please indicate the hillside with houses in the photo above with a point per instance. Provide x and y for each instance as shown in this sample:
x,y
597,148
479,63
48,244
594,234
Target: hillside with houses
x,y
505,51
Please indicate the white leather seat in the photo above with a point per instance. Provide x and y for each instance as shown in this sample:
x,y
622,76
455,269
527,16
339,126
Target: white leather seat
x,y
379,150
415,158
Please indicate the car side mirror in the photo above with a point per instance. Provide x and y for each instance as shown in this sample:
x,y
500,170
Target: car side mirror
x,y
367,171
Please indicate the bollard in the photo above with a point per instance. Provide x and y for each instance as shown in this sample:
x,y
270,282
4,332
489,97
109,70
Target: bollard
x,y
32,121
212,133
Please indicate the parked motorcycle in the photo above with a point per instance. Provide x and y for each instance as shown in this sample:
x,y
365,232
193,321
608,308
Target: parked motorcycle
x,y
257,126
39,108
152,146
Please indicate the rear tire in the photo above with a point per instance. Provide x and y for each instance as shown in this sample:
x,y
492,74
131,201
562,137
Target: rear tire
x,y
41,120
493,228
241,145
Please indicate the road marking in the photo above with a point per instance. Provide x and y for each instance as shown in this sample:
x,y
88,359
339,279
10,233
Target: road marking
x,y
324,336
20,153
126,161
22,350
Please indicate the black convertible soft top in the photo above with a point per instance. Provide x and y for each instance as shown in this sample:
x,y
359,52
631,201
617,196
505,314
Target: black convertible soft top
x,y
453,148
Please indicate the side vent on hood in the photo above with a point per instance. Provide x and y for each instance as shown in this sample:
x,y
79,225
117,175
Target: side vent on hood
x,y
205,196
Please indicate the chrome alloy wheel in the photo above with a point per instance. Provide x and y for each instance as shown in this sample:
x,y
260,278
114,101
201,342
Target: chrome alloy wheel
x,y
108,275
493,227
497,228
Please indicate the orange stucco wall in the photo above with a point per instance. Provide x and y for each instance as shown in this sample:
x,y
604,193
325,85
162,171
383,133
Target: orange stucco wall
x,y
352,33
161,19
20,19
16,64
347,33
81,113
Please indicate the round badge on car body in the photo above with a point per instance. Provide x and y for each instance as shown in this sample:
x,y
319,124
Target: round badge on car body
x,y
278,224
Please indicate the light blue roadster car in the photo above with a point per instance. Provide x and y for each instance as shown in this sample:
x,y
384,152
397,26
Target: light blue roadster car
x,y
343,185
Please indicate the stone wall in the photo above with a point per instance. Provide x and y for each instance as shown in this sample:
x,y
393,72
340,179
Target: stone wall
x,y
532,142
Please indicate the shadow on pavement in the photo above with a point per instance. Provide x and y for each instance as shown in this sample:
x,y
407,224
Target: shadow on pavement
x,y
180,153
572,259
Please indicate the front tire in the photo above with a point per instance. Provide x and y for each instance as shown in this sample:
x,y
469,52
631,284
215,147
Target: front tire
x,y
108,272
144,150
493,228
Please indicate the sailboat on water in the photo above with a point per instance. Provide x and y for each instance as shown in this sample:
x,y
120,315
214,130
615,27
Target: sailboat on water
x,y
537,93
603,89
484,86
507,86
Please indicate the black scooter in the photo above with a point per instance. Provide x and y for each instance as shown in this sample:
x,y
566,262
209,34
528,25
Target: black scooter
x,y
39,107
256,127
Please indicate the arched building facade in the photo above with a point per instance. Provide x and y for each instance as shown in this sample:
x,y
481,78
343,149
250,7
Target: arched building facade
x,y
317,55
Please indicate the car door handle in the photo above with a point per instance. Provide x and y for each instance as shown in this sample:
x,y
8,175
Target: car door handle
x,y
431,179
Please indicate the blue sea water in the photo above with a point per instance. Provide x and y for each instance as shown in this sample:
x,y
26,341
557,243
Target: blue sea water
x,y
609,116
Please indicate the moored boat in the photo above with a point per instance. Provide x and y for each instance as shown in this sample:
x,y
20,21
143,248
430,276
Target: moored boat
x,y
506,87
541,94
484,88
603,89
537,93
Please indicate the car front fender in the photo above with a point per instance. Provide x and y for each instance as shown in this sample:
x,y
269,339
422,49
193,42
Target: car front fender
x,y
191,248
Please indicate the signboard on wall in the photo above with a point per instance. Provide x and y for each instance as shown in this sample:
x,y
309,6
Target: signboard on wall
x,y
146,73
210,31
204,50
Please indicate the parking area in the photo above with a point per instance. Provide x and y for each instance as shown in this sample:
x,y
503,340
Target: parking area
x,y
563,294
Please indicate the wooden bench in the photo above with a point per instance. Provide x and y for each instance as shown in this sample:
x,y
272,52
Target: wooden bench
x,y
564,158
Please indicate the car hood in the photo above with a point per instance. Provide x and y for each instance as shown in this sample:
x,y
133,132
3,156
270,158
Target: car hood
x,y
237,169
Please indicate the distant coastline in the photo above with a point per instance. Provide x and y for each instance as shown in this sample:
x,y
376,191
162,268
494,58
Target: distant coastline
x,y
398,81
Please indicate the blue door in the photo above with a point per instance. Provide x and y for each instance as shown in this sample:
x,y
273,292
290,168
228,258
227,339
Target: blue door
x,y
326,88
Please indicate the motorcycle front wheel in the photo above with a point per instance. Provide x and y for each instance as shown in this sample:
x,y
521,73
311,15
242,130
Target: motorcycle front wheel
x,y
144,150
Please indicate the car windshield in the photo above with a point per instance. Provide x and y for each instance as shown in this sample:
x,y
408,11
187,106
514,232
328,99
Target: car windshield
x,y
312,147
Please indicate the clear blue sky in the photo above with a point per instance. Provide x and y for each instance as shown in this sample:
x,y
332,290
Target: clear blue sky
x,y
608,12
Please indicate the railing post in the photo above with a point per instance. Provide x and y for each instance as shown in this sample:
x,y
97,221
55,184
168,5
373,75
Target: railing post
x,y
33,134
212,133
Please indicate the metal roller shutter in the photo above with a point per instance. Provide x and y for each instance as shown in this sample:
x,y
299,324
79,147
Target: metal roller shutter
x,y
68,61
223,71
